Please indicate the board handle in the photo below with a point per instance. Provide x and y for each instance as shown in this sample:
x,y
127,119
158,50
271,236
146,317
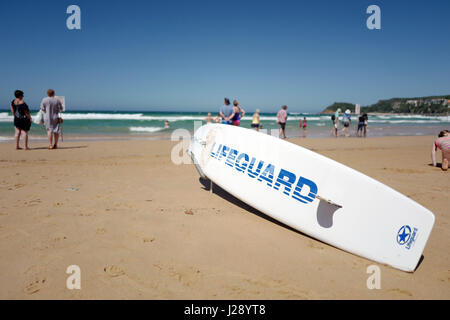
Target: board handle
x,y
328,201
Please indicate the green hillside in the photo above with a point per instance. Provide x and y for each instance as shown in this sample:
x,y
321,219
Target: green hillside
x,y
419,105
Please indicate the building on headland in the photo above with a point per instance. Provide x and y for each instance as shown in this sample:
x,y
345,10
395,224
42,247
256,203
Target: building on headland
x,y
413,102
437,101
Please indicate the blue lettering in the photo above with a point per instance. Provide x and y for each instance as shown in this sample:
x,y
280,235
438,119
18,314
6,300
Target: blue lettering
x,y
298,189
285,178
243,166
267,174
224,152
254,174
231,156
214,154
281,180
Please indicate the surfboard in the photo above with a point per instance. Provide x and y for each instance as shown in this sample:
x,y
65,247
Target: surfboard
x,y
62,99
314,194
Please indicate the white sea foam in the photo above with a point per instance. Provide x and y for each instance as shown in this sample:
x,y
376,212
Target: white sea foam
x,y
145,129
5,117
127,116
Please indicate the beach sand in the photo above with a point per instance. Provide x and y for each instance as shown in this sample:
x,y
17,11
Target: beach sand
x,y
140,227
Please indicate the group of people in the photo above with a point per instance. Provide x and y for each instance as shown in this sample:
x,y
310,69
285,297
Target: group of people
x,y
232,114
50,108
361,130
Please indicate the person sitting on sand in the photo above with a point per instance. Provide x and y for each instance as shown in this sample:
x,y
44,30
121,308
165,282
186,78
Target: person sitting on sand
x,y
51,107
209,118
227,112
22,119
256,122
443,143
236,121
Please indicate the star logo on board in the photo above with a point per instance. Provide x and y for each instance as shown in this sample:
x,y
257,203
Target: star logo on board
x,y
403,235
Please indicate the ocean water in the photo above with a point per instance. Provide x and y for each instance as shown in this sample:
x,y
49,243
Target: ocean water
x,y
109,124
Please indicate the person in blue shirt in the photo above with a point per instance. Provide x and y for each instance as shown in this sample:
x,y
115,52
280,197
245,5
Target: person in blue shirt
x,y
227,112
346,121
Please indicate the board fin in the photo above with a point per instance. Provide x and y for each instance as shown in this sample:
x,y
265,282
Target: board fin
x,y
328,201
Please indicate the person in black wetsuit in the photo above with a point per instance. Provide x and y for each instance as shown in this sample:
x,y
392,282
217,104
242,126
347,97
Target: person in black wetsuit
x,y
22,118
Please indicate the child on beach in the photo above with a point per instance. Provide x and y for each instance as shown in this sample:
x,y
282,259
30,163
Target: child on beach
x,y
209,118
22,118
443,143
366,120
255,120
334,130
359,131
303,125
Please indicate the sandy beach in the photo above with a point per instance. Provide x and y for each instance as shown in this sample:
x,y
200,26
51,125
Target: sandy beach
x,y
140,227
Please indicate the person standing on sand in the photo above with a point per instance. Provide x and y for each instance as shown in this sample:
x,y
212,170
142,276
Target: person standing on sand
x,y
336,121
51,107
236,121
256,122
22,119
333,131
366,120
443,143
346,121
359,131
226,112
281,120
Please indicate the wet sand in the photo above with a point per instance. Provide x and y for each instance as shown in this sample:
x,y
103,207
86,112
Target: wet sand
x,y
140,227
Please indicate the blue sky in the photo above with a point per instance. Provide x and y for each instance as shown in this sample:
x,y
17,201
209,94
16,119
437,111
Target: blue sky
x,y
188,55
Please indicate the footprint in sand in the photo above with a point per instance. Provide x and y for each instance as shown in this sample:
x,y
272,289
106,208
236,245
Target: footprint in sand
x,y
114,271
35,286
85,214
101,231
147,240
397,290
32,202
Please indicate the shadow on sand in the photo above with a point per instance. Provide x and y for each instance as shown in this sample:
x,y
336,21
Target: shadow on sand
x,y
230,198
324,216
59,148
